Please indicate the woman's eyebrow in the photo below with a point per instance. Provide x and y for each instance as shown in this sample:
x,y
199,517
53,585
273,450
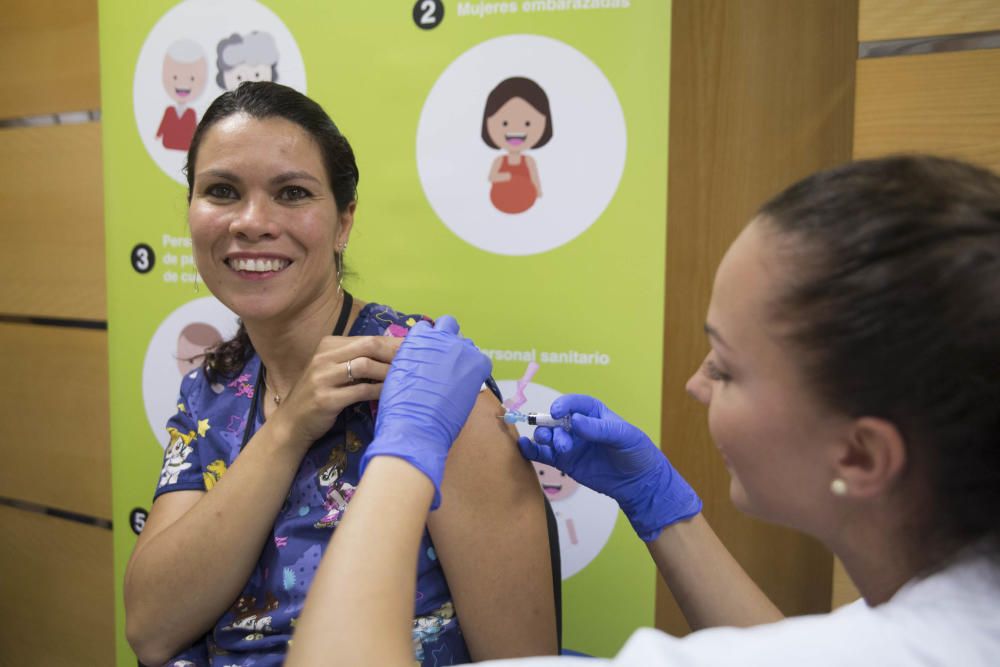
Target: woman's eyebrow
x,y
219,173
286,176
713,333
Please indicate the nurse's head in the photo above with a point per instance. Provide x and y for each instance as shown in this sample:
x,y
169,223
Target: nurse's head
x,y
855,365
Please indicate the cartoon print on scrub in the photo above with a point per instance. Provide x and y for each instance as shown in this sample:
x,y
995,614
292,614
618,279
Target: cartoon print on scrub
x,y
427,628
558,486
516,119
175,458
338,491
354,443
242,385
213,473
184,73
252,619
249,57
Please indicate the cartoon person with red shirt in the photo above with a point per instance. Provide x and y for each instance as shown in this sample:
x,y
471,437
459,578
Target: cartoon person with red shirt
x,y
516,119
185,71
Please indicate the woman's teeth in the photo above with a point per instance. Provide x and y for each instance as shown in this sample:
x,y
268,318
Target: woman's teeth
x,y
258,265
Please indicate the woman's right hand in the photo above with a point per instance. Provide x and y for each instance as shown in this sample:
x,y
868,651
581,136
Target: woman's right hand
x,y
326,388
604,452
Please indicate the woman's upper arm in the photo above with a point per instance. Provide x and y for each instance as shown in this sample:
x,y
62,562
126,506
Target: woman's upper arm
x,y
491,536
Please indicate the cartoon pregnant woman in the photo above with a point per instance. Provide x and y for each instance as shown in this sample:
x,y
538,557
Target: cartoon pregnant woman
x,y
516,119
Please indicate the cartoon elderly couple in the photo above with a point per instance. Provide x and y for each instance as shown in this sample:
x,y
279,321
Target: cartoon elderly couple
x,y
249,57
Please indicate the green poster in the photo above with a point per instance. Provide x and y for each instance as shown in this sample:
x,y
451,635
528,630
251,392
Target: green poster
x,y
513,160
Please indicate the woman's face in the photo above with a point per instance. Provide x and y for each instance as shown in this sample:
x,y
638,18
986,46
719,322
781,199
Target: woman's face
x,y
264,222
516,126
777,438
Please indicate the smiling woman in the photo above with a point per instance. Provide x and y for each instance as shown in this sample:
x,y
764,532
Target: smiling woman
x,y
265,447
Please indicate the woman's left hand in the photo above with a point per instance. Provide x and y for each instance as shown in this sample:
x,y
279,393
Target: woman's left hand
x,y
428,394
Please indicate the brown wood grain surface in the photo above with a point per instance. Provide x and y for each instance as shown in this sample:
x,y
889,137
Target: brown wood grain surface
x,y
49,60
944,103
54,435
56,592
762,94
51,205
903,19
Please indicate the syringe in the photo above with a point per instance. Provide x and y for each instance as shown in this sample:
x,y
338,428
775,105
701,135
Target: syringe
x,y
536,419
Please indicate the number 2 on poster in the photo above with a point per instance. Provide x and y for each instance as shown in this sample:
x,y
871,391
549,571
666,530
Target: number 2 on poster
x,y
428,14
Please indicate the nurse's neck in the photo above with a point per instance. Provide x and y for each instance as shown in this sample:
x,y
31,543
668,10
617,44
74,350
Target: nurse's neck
x,y
878,559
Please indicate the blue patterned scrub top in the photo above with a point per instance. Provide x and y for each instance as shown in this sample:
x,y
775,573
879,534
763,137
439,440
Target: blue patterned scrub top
x,y
205,438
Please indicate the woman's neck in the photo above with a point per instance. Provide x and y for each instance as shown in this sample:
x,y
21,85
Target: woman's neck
x,y
877,555
286,346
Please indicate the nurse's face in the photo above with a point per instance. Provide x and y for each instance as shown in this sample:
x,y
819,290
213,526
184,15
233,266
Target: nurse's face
x,y
264,222
775,435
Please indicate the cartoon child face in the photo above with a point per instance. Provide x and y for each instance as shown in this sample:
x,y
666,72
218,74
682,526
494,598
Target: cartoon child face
x,y
176,450
556,484
241,73
192,342
328,476
184,82
516,126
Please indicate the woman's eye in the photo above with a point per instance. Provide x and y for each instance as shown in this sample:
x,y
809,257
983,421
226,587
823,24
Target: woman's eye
x,y
714,373
221,191
294,193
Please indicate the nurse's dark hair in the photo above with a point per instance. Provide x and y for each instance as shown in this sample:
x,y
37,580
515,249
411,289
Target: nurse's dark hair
x,y
263,100
894,305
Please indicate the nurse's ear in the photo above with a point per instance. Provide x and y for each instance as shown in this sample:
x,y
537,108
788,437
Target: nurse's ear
x,y
871,458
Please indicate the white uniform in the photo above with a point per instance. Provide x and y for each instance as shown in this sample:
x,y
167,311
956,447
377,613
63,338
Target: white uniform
x,y
949,618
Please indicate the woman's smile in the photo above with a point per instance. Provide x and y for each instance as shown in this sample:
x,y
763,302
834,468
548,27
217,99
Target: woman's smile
x,y
257,267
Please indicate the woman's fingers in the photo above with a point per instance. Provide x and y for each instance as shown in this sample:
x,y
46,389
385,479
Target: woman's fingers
x,y
341,349
363,369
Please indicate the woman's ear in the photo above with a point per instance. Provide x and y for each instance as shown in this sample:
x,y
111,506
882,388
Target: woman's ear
x,y
872,457
346,223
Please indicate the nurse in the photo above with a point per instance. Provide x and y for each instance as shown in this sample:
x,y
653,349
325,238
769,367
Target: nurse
x,y
853,389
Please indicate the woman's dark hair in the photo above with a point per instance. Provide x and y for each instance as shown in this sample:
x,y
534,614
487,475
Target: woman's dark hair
x,y
894,305
527,90
260,100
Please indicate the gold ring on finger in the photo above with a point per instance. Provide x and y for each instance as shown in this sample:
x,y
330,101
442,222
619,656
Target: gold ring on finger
x,y
350,375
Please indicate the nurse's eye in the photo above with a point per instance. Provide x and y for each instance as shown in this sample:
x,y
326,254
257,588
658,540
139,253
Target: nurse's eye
x,y
714,373
221,191
294,193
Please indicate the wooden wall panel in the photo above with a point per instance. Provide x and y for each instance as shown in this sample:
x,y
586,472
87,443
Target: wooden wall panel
x,y
762,93
51,204
49,59
901,19
946,103
56,592
54,434
844,590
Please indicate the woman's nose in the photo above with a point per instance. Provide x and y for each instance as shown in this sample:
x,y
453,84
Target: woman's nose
x,y
699,387
254,221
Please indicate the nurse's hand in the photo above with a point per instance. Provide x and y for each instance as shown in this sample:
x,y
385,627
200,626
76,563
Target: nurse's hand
x,y
428,394
607,454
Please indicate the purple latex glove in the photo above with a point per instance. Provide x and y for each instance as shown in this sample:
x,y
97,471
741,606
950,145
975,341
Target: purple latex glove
x,y
607,454
428,394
